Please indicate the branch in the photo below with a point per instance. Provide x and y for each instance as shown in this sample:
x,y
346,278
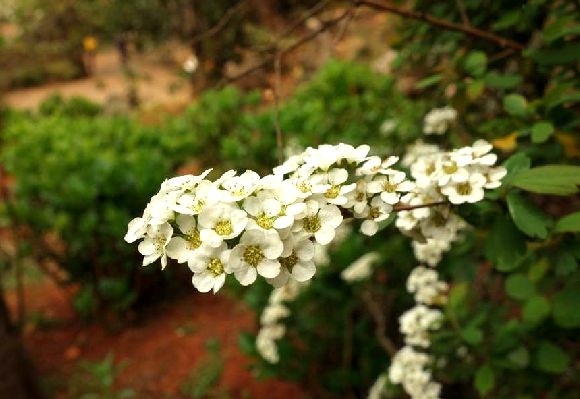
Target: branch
x,y
441,23
381,323
404,207
463,13
304,39
222,23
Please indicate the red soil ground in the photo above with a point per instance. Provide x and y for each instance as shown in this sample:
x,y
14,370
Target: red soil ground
x,y
161,349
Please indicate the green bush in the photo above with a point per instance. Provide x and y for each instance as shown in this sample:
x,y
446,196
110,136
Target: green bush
x,y
81,178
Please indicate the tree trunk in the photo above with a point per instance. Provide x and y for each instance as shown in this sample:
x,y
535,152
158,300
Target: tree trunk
x,y
18,379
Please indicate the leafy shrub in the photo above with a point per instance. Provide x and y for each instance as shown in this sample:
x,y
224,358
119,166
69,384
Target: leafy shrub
x,y
74,106
81,178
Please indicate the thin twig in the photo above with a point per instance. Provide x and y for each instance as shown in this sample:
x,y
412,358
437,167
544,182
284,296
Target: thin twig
x,y
441,23
279,138
463,13
345,24
304,39
221,24
381,323
404,207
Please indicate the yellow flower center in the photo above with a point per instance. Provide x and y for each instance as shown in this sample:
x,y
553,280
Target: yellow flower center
x,y
215,266
312,224
463,189
332,192
224,227
304,187
192,238
253,255
289,262
389,187
375,212
265,222
450,168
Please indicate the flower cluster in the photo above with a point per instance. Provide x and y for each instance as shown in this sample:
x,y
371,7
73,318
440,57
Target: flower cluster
x,y
410,368
251,226
454,177
271,329
437,120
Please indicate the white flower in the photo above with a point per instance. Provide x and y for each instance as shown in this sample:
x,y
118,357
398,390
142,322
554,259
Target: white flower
x,y
425,284
390,186
336,193
192,203
468,191
153,246
136,230
182,248
296,261
360,269
450,171
209,268
221,222
494,176
438,120
184,182
377,212
418,150
431,251
190,65
377,389
320,221
264,212
257,253
273,313
236,188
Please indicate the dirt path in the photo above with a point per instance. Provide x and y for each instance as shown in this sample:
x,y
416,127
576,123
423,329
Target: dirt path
x,y
163,349
159,80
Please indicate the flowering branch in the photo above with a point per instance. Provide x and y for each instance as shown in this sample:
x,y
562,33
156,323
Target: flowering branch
x,y
441,23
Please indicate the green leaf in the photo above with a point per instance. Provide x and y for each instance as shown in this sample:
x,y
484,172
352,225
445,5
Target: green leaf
x,y
527,217
514,164
566,306
566,54
565,264
505,246
484,379
538,269
497,81
568,224
519,357
457,295
536,309
550,358
516,105
475,89
549,179
472,335
559,28
542,131
428,81
519,286
475,63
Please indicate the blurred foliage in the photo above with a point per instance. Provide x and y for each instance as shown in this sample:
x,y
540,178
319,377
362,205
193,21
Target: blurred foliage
x,y
79,178
96,380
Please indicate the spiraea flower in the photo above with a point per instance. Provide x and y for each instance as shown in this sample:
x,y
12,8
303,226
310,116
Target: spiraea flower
x,y
220,222
257,253
155,242
438,120
209,268
319,221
